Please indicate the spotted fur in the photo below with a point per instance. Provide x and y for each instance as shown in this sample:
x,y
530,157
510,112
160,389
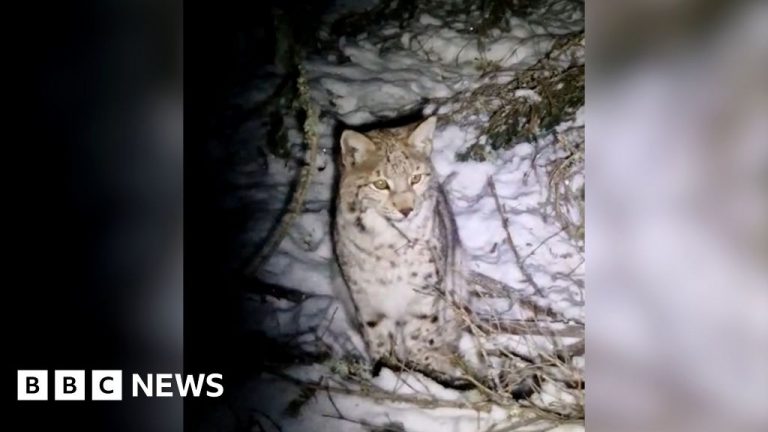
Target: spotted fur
x,y
398,248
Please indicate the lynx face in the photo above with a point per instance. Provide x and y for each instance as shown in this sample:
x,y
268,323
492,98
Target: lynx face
x,y
387,170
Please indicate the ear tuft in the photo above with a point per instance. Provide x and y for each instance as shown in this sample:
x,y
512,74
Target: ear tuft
x,y
421,137
355,148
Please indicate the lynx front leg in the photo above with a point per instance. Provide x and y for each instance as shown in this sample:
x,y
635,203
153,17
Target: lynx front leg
x,y
379,335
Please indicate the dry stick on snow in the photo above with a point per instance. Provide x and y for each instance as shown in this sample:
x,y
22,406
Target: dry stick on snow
x,y
385,396
518,426
535,328
297,201
510,242
390,427
339,415
498,287
542,243
397,365
330,321
558,361
269,419
493,288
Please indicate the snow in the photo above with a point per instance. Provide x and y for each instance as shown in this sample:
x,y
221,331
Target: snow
x,y
324,408
431,62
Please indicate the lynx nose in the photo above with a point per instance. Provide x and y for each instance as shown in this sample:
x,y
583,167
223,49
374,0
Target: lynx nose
x,y
406,211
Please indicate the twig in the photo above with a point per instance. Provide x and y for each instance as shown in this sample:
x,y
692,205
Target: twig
x,y
270,419
549,237
339,415
510,242
330,321
381,395
327,392
534,328
515,426
297,201
498,289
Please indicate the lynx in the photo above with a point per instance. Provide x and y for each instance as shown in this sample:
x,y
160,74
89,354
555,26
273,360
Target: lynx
x,y
398,249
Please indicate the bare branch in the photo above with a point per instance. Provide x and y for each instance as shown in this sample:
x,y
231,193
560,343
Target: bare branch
x,y
536,328
510,242
385,396
297,201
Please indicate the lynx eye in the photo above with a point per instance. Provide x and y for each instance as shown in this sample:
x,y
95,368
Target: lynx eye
x,y
416,178
381,184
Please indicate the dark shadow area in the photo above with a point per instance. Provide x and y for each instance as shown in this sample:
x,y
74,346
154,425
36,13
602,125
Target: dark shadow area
x,y
91,203
228,45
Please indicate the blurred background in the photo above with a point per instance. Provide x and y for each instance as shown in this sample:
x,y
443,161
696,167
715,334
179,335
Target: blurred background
x,y
92,196
677,215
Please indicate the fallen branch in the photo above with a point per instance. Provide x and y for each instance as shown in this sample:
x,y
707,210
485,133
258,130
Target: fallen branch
x,y
493,288
297,201
510,242
384,396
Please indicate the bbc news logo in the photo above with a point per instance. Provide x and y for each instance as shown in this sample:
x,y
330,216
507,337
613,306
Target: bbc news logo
x,y
107,385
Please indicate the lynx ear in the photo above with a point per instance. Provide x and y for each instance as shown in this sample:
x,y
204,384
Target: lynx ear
x,y
421,137
355,148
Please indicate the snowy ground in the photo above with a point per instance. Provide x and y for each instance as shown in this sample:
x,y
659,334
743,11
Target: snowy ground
x,y
390,72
